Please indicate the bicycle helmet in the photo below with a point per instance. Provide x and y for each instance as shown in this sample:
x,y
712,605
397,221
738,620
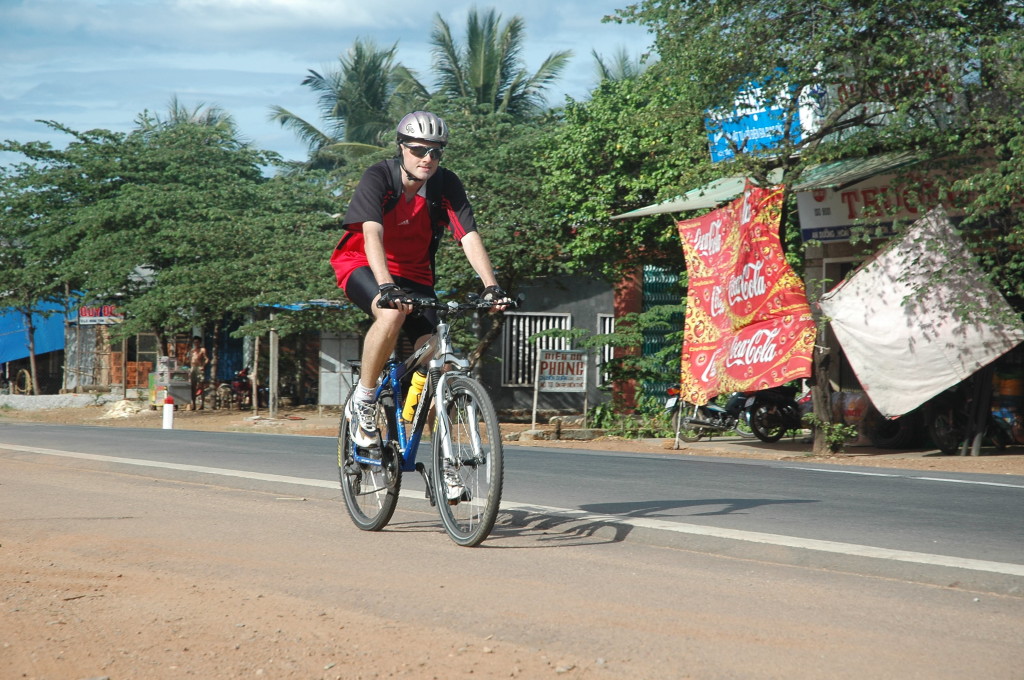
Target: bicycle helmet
x,y
423,125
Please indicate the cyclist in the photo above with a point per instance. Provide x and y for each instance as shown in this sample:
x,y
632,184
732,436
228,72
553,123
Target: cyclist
x,y
394,224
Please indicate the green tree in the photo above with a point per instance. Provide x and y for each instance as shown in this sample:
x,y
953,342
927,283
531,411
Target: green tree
x,y
358,102
41,197
935,76
621,65
201,114
175,220
520,232
485,73
625,147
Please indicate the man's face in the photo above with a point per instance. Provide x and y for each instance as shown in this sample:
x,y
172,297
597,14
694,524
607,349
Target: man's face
x,y
421,159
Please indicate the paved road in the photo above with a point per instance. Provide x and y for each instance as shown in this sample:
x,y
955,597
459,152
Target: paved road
x,y
930,528
145,553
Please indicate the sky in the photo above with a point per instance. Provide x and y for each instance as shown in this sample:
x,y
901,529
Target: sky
x,y
100,63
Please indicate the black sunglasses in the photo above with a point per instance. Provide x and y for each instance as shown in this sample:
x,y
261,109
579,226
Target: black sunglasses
x,y
420,151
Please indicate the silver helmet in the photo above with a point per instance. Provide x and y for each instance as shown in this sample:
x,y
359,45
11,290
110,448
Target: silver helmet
x,y
423,125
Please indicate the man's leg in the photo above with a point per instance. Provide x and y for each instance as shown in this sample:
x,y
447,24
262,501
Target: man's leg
x,y
378,344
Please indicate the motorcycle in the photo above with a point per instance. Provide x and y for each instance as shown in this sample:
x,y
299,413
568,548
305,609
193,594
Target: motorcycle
x,y
238,392
692,422
948,422
774,412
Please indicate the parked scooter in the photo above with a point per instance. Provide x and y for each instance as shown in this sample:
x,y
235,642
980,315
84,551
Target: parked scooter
x,y
234,393
241,387
692,422
948,421
774,412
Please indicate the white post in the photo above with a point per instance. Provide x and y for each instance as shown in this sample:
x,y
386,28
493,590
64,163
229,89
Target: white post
x,y
586,387
168,411
536,386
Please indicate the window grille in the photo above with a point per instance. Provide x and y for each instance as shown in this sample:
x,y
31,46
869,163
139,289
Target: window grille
x,y
519,352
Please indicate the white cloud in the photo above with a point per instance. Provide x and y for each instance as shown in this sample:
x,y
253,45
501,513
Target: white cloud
x,y
99,63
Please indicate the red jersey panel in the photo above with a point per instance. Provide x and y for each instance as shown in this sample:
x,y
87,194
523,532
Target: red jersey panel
x,y
407,225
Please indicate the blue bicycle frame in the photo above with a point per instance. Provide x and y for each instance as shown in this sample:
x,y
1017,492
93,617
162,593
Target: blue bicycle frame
x,y
408,435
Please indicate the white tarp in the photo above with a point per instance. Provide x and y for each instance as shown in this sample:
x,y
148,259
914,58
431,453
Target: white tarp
x,y
920,317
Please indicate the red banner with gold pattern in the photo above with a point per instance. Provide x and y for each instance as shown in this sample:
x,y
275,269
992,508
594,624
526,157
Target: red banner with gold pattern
x,y
748,325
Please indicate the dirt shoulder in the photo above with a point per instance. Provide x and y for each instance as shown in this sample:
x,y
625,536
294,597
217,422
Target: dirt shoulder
x,y
312,421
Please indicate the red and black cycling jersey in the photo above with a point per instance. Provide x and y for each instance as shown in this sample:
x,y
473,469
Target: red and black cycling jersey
x,y
412,229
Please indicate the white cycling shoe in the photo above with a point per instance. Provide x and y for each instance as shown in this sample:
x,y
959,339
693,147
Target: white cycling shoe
x,y
454,490
362,423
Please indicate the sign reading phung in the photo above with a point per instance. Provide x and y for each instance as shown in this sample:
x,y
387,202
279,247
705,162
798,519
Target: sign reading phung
x,y
561,371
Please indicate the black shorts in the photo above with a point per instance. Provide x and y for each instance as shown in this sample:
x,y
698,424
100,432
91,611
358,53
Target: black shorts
x,y
362,288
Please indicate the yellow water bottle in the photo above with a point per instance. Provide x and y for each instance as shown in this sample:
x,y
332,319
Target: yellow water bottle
x,y
419,378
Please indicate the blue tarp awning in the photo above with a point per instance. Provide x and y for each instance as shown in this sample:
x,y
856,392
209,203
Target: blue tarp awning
x,y
49,332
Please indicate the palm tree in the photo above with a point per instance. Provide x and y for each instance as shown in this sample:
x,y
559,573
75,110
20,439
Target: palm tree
x,y
355,101
487,70
177,113
620,67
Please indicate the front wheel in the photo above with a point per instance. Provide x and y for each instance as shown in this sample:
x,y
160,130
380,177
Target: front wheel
x,y
767,423
370,488
468,464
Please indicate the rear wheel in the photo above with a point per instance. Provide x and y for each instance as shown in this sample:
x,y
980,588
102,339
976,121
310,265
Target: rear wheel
x,y
472,458
371,487
767,423
942,424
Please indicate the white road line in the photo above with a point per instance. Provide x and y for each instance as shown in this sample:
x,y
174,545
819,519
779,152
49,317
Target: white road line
x,y
903,476
175,466
851,549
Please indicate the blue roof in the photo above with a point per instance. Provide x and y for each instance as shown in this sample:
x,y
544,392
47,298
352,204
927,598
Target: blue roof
x,y
48,336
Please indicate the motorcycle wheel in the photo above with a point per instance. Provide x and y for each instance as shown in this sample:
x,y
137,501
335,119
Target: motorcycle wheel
x,y
943,429
767,425
999,435
688,432
742,427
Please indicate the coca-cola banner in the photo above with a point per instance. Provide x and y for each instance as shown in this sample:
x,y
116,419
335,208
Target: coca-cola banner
x,y
748,325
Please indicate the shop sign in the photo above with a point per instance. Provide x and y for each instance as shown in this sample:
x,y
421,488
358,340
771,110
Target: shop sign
x,y
99,315
561,370
828,214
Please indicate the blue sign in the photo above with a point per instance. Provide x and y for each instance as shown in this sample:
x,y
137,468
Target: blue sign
x,y
752,131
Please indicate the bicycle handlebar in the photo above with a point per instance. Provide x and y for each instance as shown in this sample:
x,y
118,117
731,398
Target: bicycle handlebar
x,y
472,302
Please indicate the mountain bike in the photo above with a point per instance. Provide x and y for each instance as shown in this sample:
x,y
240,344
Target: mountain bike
x,y
465,441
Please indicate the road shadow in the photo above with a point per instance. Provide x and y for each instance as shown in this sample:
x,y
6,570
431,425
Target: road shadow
x,y
529,528
604,523
539,530
664,509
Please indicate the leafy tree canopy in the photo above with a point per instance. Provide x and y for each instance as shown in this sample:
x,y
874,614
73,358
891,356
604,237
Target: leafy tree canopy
x,y
627,146
174,221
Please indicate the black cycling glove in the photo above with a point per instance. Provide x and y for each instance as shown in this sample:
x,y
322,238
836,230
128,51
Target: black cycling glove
x,y
391,294
494,294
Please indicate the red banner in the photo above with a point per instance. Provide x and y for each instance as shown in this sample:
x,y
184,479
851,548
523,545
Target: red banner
x,y
748,325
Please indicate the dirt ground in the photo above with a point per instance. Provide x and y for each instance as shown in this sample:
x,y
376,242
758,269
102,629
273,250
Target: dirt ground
x,y
75,601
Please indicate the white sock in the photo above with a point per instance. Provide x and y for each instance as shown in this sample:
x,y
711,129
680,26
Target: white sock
x,y
364,393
